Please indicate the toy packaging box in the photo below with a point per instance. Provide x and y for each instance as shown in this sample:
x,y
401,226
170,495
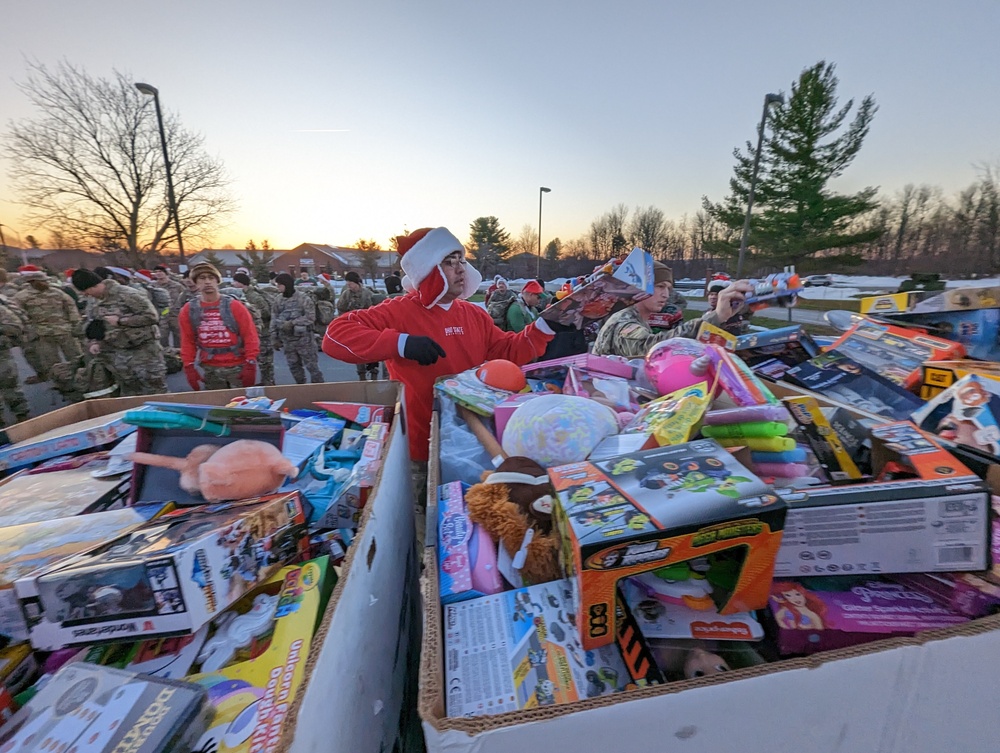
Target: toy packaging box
x,y
848,611
896,353
268,646
932,518
18,668
33,546
357,413
168,577
964,593
937,376
641,512
82,435
87,708
557,367
772,352
467,389
836,462
605,293
977,331
32,498
305,438
967,412
345,511
844,380
520,650
467,555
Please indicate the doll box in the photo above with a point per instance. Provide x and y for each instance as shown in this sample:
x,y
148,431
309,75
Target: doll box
x,y
933,519
641,512
808,620
964,593
168,577
467,555
33,498
92,709
62,438
520,650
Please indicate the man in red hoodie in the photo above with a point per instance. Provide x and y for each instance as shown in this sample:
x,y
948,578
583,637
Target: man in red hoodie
x,y
432,330
218,331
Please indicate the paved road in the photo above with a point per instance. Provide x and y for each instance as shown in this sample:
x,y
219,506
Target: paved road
x,y
797,315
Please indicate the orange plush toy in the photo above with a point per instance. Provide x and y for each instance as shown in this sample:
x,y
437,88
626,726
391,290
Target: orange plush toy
x,y
510,502
239,470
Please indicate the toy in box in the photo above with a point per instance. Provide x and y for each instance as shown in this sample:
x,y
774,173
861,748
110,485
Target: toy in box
x,y
469,390
90,708
77,437
32,498
606,291
467,554
937,376
836,462
843,380
17,668
257,657
772,352
168,577
350,499
895,353
521,650
924,512
357,413
968,413
819,615
629,515
305,438
556,367
964,593
27,548
978,331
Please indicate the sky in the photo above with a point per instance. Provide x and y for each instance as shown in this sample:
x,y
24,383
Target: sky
x,y
346,119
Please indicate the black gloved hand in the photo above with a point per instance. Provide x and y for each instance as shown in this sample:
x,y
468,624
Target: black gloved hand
x,y
95,330
422,349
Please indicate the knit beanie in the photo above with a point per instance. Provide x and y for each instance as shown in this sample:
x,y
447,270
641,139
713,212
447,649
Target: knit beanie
x,y
662,273
203,268
241,278
288,281
421,253
84,279
102,272
353,277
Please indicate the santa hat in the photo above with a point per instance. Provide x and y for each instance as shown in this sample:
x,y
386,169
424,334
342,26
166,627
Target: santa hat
x,y
121,272
718,283
31,272
532,286
421,253
144,275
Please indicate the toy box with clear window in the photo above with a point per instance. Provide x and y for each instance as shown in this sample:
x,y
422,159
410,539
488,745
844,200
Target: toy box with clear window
x,y
168,577
641,512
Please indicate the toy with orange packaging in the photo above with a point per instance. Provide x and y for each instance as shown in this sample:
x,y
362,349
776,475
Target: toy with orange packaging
x,y
640,512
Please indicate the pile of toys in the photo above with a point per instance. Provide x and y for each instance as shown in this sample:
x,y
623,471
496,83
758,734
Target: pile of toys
x,y
632,523
163,571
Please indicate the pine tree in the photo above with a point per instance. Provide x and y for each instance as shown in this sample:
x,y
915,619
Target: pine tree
x,y
796,214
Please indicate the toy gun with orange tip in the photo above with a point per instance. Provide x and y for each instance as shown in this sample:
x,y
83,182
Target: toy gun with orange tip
x,y
779,289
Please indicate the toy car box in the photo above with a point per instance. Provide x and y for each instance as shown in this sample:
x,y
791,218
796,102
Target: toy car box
x,y
808,619
772,352
467,554
937,376
167,578
34,546
32,498
92,709
933,518
640,512
520,650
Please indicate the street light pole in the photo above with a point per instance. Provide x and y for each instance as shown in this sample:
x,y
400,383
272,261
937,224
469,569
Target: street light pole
x,y
152,91
538,258
770,99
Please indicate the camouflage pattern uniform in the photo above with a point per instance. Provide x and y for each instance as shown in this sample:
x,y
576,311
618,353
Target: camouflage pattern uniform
x,y
54,326
11,330
168,323
265,361
626,334
292,321
353,300
131,349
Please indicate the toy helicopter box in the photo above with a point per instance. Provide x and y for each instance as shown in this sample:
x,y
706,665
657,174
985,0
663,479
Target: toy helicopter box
x,y
33,497
611,288
259,655
168,577
924,512
625,516
85,708
521,650
33,546
772,352
896,353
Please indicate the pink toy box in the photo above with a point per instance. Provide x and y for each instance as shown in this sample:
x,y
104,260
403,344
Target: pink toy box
x,y
467,555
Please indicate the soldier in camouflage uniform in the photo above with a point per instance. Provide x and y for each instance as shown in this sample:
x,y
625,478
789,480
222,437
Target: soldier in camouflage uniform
x,y
253,296
53,323
11,331
354,297
168,324
293,315
121,330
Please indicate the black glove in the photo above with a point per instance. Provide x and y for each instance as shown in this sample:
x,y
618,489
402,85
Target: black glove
x,y
95,330
423,350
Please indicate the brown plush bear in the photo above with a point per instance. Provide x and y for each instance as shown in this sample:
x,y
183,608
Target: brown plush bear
x,y
510,501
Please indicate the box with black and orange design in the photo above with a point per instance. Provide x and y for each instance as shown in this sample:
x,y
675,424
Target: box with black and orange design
x,y
659,507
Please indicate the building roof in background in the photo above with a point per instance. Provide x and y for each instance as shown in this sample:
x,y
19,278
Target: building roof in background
x,y
348,257
229,257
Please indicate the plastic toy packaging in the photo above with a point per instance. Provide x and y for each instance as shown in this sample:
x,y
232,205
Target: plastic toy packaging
x,y
612,391
672,419
780,289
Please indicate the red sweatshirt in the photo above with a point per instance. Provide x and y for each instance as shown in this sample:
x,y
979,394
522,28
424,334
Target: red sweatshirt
x,y
213,333
465,332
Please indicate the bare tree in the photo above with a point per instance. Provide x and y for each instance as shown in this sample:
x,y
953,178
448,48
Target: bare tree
x,y
647,230
90,166
527,240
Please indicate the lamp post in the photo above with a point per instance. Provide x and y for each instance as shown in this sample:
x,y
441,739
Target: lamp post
x,y
152,91
538,258
770,99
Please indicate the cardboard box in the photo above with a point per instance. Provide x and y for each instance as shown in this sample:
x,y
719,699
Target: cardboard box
x,y
32,498
837,464
937,376
466,552
628,515
937,521
772,352
967,412
606,292
977,331
30,443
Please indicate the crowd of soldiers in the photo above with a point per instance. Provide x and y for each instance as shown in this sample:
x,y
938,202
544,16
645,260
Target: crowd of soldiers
x,y
114,331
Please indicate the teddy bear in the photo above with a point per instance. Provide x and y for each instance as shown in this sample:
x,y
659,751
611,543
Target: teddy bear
x,y
510,501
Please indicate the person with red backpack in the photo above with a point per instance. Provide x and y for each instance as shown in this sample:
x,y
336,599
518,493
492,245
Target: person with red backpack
x,y
219,333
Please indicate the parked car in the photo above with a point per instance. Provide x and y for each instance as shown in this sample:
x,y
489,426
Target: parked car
x,y
818,281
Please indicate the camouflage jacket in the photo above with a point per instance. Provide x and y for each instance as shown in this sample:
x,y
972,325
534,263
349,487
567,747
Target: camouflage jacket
x,y
174,289
626,334
352,300
51,313
11,325
258,299
136,314
292,317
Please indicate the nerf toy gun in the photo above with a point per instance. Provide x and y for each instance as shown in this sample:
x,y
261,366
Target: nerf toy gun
x,y
780,289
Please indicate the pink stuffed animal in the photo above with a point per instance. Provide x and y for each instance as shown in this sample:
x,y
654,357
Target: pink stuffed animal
x,y
239,470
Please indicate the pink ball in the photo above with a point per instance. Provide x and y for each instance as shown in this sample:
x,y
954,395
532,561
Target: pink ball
x,y
675,364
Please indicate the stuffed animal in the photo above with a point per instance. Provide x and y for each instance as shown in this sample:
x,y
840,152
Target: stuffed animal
x,y
558,429
511,502
239,470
